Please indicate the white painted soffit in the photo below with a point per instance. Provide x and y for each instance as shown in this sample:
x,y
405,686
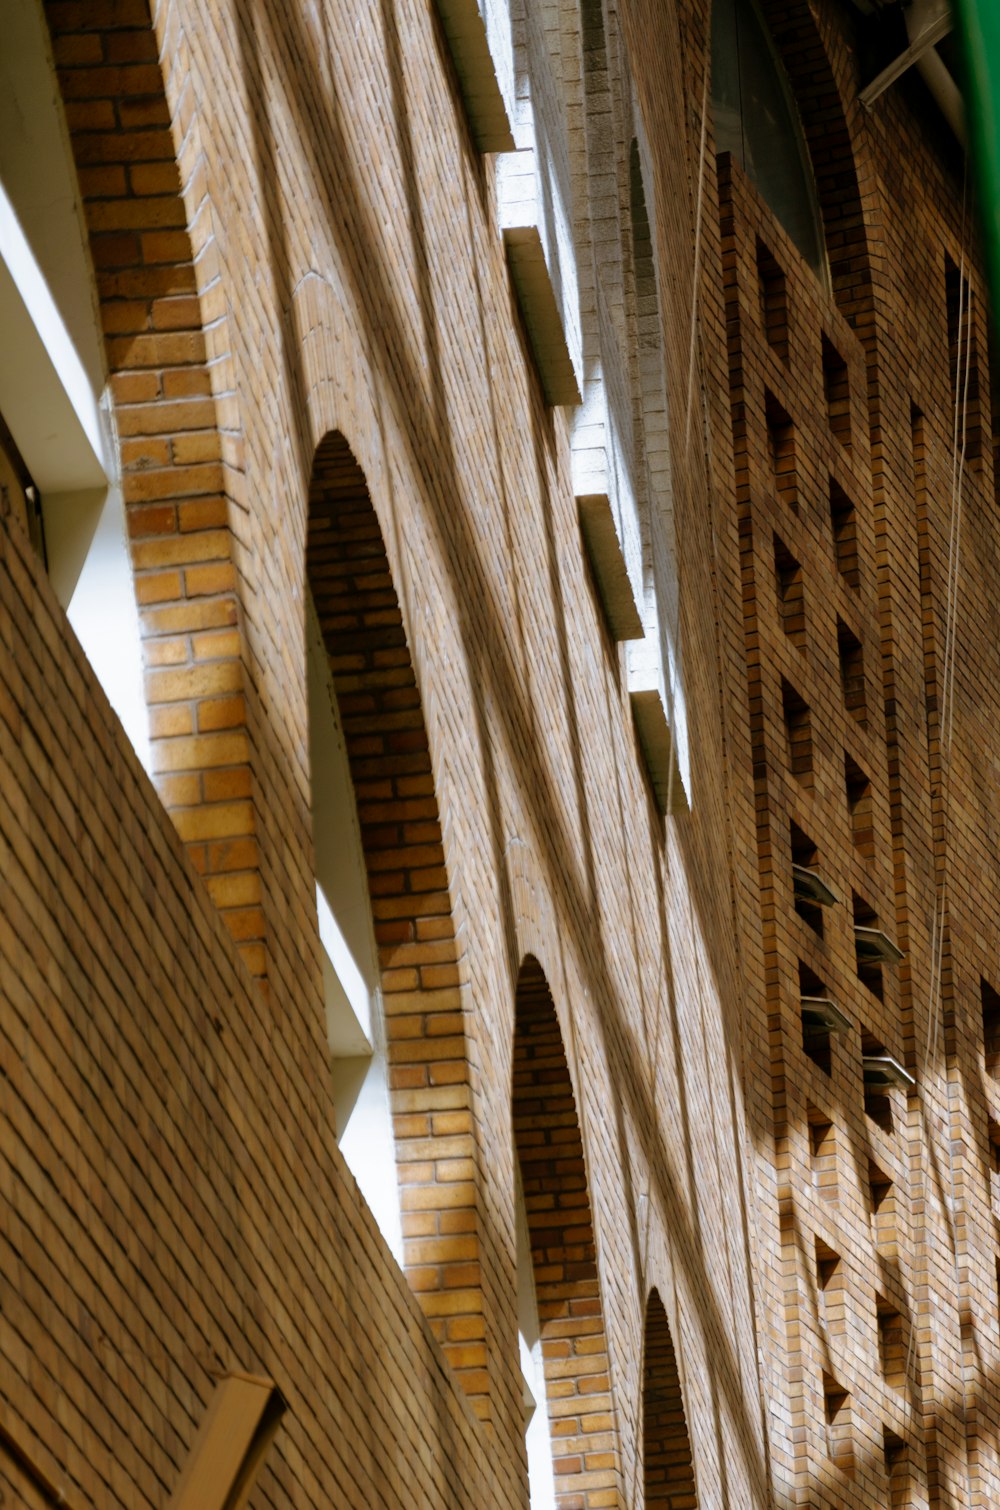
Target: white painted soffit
x,y
46,397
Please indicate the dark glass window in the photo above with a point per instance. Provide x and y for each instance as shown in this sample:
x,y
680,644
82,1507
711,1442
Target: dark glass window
x,y
756,120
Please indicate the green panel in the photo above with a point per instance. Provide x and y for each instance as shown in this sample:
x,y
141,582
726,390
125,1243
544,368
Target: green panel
x,y
978,24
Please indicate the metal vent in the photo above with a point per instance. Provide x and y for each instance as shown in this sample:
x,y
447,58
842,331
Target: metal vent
x,y
882,1072
821,1015
810,887
874,947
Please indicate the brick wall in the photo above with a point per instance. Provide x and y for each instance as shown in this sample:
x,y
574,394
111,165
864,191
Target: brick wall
x,y
294,238
174,1203
875,1250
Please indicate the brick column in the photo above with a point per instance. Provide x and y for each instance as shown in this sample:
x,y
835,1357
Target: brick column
x,y
174,455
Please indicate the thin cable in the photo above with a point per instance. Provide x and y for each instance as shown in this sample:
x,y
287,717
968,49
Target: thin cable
x,y
697,257
946,715
747,1156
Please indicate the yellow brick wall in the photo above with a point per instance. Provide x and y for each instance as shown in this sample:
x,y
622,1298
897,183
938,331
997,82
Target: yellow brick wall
x,y
294,238
338,268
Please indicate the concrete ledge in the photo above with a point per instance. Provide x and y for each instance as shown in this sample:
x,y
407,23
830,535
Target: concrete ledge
x,y
542,316
658,751
45,394
465,27
604,551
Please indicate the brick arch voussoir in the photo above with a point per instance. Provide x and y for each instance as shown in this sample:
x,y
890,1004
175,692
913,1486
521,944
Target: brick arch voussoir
x,y
668,1464
176,470
550,1155
821,69
430,1072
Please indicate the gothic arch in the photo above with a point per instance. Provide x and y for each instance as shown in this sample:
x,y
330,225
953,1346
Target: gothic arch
x,y
821,75
668,1466
388,757
550,1157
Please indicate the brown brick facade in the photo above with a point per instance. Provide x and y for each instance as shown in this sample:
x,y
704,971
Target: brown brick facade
x,y
151,1132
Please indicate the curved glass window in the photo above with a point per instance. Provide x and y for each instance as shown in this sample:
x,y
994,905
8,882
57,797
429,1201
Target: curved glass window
x,y
756,120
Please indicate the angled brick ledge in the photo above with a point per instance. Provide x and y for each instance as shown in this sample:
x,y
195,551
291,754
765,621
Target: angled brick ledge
x,y
484,66
542,315
607,561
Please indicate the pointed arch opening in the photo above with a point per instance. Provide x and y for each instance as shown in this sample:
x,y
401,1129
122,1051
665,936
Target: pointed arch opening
x,y
668,1464
817,80
756,119
397,1034
812,79
566,1368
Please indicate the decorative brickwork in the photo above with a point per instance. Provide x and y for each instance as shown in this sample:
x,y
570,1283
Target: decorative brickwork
x,y
888,1399
430,1073
821,695
791,1136
554,1180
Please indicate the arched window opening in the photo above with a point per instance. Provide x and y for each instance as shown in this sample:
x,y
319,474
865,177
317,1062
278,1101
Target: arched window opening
x,y
395,1010
757,121
58,450
561,1262
353,999
537,1437
668,1465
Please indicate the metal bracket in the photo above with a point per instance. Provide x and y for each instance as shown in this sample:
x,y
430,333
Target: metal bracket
x,y
937,25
